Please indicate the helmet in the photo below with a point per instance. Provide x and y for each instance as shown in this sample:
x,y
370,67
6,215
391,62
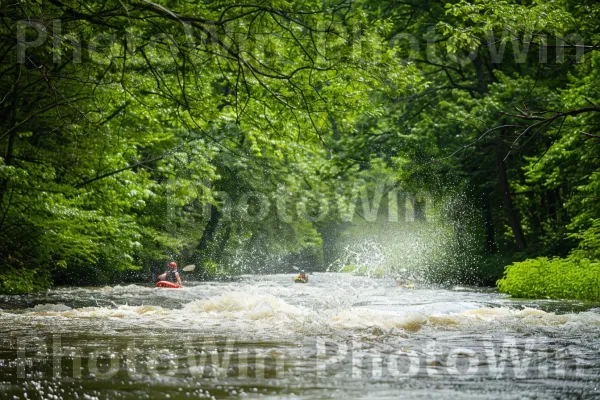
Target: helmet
x,y
303,271
172,264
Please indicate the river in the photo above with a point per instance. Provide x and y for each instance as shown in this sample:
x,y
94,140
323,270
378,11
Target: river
x,y
336,337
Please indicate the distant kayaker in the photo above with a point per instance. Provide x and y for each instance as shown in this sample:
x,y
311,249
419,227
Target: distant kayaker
x,y
303,276
172,275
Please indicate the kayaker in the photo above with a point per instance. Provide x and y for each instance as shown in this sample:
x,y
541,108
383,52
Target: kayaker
x,y
172,275
303,276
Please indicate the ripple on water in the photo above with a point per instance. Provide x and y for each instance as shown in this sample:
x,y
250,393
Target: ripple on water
x,y
273,317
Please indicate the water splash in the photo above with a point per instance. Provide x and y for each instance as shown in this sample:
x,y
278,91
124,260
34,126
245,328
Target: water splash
x,y
443,249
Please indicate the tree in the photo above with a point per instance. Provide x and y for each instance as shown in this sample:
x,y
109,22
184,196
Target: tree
x,y
115,115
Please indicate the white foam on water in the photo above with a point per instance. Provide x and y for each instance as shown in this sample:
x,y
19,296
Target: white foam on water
x,y
361,318
57,308
127,289
329,304
503,319
245,305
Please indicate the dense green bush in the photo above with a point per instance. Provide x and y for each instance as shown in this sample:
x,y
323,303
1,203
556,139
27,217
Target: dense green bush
x,y
557,278
13,281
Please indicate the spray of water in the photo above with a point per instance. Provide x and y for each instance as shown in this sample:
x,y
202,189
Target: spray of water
x,y
441,249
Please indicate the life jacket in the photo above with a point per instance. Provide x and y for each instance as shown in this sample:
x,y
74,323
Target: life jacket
x,y
171,276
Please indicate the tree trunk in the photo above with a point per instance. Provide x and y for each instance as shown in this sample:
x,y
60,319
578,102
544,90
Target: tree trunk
x,y
402,207
553,200
210,229
490,234
419,206
514,220
224,240
8,156
481,83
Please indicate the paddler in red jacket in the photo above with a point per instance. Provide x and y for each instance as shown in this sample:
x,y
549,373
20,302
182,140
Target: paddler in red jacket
x,y
303,276
172,275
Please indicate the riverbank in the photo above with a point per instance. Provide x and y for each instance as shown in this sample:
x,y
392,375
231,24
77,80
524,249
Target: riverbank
x,y
556,278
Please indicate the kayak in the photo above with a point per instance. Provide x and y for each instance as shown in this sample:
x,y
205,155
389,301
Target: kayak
x,y
300,280
166,284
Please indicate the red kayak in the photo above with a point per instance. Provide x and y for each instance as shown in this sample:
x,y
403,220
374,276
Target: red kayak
x,y
166,284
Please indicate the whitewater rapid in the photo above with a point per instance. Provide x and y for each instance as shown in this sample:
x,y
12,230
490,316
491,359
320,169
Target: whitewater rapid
x,y
330,302
333,327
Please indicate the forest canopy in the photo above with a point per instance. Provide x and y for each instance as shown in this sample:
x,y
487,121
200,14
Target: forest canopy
x,y
232,135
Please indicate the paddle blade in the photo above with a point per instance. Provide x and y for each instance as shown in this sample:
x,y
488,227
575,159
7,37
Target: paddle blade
x,y
189,268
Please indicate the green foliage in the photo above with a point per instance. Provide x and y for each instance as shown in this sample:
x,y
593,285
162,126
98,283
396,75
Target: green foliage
x,y
212,269
556,278
589,241
18,281
113,153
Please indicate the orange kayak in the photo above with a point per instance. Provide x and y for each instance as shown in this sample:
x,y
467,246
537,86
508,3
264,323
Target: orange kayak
x,y
166,284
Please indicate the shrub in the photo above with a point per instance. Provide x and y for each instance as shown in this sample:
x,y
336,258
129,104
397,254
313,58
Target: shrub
x,y
556,278
23,280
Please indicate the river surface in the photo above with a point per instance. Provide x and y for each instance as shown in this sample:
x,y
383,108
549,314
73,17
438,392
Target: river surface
x,y
337,337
